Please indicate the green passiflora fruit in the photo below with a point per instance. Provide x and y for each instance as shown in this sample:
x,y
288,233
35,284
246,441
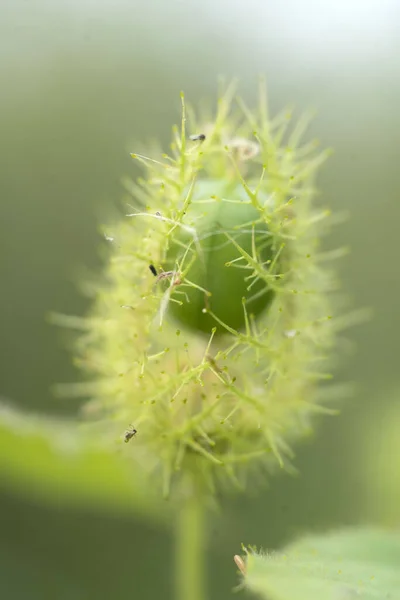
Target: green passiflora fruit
x,y
222,226
228,226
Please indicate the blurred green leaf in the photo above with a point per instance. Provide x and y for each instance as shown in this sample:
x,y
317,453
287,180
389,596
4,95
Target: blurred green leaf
x,y
55,462
345,565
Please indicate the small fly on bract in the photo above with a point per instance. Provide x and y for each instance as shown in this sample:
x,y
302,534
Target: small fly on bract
x,y
129,433
198,137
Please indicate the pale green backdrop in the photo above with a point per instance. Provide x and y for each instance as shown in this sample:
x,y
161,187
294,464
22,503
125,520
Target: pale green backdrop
x,y
80,82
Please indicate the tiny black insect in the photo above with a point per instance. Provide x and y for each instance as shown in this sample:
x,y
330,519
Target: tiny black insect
x,y
153,270
198,137
129,433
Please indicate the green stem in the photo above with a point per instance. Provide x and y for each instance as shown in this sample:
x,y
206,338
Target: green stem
x,y
189,574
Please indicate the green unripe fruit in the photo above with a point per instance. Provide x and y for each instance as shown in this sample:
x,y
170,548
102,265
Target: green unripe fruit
x,y
228,226
224,227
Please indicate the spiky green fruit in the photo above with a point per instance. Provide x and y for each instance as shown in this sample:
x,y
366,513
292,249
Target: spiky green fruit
x,y
230,228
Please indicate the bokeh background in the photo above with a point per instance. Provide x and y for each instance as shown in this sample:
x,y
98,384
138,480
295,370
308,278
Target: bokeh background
x,y
82,82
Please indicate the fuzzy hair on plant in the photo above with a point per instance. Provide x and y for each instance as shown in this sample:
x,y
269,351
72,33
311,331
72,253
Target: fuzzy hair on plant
x,y
211,329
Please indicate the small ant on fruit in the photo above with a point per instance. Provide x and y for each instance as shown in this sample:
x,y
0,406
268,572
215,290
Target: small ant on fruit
x,y
166,275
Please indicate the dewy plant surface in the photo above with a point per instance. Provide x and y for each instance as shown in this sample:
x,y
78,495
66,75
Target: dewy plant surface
x,y
212,326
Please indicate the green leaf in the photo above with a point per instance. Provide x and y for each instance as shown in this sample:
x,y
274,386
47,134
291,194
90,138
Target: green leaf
x,y
55,462
354,564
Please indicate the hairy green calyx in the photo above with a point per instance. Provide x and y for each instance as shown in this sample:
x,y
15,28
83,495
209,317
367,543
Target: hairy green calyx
x,y
230,230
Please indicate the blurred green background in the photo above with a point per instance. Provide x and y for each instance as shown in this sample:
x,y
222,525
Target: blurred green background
x,y
83,82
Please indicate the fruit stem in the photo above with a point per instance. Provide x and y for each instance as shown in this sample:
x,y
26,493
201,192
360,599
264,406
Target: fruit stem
x,y
189,562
